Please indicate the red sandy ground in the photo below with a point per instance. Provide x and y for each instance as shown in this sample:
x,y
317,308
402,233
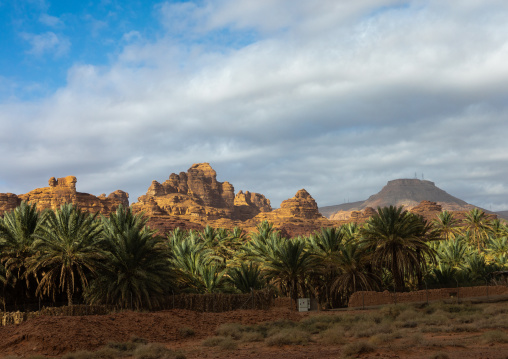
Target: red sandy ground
x,y
54,336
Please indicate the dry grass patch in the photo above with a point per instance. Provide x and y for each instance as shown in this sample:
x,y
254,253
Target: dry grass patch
x,y
357,348
333,335
494,336
289,336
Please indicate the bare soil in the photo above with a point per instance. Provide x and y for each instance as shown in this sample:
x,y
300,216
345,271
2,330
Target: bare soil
x,y
55,336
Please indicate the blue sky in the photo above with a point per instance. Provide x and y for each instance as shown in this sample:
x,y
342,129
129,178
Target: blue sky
x,y
334,96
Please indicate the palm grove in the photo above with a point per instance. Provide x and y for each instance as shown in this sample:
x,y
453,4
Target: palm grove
x,y
71,256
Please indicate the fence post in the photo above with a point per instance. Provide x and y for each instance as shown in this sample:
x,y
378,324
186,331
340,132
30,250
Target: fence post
x,y
363,299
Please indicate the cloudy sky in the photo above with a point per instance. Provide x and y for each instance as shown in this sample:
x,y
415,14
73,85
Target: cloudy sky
x,y
334,96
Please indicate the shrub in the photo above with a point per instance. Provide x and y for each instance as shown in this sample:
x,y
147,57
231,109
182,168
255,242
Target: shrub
x,y
186,332
233,330
252,337
382,338
494,336
228,344
333,335
155,351
213,341
357,348
288,336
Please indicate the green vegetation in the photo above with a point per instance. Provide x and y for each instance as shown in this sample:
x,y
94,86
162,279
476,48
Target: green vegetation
x,y
72,256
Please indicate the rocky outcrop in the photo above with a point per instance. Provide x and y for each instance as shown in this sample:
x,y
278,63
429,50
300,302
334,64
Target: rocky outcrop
x,y
427,209
354,216
195,193
302,205
63,190
249,204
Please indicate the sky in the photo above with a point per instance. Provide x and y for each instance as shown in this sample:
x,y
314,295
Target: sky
x,y
336,96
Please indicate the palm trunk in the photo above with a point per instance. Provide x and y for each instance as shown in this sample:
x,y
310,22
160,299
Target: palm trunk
x,y
397,278
69,296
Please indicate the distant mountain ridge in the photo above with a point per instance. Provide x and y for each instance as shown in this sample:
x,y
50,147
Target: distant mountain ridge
x,y
402,192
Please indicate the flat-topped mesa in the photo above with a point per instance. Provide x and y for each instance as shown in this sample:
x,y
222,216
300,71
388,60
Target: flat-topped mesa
x,y
302,205
195,193
63,190
250,204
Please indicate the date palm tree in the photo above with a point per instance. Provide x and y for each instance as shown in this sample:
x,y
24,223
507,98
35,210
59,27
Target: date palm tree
x,y
446,225
246,277
478,225
326,246
66,251
453,253
287,264
353,271
18,230
395,240
136,271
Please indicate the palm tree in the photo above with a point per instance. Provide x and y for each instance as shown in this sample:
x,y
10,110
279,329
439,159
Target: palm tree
x,y
453,253
212,278
498,228
394,238
66,250
188,257
136,271
18,230
287,263
326,246
353,270
246,277
447,226
478,226
498,246
351,231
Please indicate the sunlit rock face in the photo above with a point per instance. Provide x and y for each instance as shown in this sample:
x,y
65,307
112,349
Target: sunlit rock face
x,y
195,193
63,190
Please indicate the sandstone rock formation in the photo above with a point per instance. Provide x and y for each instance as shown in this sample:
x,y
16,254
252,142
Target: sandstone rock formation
x,y
63,190
301,207
8,201
427,209
249,204
354,216
197,194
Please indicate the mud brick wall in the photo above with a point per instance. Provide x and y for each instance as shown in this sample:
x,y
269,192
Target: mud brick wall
x,y
369,298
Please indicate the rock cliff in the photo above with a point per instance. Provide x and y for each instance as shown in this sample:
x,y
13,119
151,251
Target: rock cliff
x,y
427,209
63,190
249,204
197,194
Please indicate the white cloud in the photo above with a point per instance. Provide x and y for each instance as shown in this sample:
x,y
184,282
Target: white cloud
x,y
49,20
337,97
47,42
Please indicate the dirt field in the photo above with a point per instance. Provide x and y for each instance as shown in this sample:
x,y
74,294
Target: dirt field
x,y
478,331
